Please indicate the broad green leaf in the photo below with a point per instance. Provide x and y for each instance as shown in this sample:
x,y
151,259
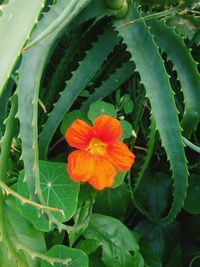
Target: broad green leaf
x,y
78,257
126,129
193,195
161,238
113,202
70,118
154,192
58,191
118,242
99,108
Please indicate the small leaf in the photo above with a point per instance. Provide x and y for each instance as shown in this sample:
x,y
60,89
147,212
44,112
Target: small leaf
x,y
99,108
118,242
78,257
119,178
58,191
193,195
89,245
70,118
126,129
127,104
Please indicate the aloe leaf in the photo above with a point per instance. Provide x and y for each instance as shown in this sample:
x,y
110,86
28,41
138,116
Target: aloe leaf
x,y
109,85
153,75
16,22
186,68
70,10
31,70
81,77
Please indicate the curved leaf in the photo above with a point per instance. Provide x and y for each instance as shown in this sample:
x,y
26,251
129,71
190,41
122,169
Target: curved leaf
x,y
153,75
186,68
16,23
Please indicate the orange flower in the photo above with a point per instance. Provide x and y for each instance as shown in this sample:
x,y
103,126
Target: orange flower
x,y
99,153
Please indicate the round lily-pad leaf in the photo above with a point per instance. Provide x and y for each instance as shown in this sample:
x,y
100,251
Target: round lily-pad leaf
x,y
58,191
99,108
126,129
76,257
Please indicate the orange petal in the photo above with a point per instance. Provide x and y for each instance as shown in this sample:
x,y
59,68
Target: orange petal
x,y
79,134
103,174
80,166
107,129
120,156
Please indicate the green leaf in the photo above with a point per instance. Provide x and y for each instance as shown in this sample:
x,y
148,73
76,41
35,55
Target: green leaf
x,y
176,257
185,25
95,259
145,54
113,202
193,195
126,104
5,260
154,187
58,191
23,232
17,20
70,118
151,258
89,246
187,71
78,257
111,84
161,238
119,178
126,129
118,242
99,108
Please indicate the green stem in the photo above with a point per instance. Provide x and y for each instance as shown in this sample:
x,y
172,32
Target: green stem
x,y
191,145
10,124
162,14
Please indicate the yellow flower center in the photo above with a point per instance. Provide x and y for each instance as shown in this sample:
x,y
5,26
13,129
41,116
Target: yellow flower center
x,y
96,147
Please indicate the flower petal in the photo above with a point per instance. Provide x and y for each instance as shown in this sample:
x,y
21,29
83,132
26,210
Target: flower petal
x,y
120,156
103,174
80,166
79,134
107,129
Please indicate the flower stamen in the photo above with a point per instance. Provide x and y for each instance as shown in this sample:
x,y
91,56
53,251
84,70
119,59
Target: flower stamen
x,y
96,147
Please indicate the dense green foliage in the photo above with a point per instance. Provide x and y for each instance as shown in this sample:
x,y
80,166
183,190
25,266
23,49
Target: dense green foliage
x,y
136,61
